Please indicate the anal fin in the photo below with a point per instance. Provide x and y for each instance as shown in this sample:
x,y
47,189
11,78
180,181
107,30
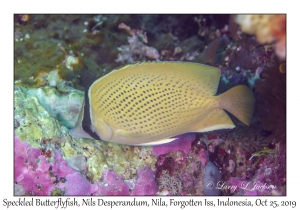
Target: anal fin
x,y
125,137
157,142
215,120
78,132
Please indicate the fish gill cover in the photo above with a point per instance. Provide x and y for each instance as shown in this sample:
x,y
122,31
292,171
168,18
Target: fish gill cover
x,y
56,59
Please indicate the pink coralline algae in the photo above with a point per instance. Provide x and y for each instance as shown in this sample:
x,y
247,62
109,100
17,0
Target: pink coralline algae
x,y
203,154
40,176
36,174
269,177
182,143
77,184
62,169
145,184
113,185
30,170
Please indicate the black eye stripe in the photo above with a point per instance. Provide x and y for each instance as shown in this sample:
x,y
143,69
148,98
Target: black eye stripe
x,y
86,121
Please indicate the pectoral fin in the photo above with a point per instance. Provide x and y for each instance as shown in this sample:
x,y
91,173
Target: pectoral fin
x,y
78,132
102,129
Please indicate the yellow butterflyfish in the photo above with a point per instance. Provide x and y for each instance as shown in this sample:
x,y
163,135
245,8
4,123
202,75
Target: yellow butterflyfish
x,y
149,103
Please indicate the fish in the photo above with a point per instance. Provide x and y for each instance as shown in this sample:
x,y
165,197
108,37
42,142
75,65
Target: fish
x,y
150,103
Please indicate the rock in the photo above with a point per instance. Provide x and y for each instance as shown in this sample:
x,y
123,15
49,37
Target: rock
x,y
211,178
34,123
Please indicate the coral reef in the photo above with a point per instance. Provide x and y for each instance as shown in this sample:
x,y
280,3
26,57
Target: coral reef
x,y
57,57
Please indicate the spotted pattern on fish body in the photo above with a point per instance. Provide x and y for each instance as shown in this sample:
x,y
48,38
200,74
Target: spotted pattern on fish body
x,y
145,103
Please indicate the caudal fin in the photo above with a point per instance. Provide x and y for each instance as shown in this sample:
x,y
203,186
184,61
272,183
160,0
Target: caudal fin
x,y
240,102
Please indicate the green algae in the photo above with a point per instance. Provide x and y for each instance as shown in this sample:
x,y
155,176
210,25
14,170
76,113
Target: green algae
x,y
34,55
46,42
